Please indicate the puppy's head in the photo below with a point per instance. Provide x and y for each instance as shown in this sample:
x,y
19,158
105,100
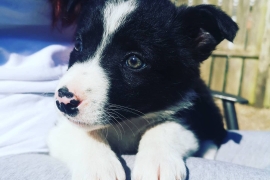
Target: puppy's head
x,y
137,56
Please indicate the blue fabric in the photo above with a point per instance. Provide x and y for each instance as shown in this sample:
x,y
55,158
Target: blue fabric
x,y
248,148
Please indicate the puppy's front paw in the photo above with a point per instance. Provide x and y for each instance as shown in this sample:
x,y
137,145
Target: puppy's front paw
x,y
99,168
159,166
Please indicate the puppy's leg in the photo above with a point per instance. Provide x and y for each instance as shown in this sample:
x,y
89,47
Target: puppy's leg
x,y
87,154
161,152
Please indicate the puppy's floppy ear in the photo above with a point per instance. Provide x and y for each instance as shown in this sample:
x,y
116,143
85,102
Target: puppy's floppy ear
x,y
207,25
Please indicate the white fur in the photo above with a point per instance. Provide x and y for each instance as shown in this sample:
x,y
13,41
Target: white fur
x,y
87,155
114,16
90,84
208,150
161,152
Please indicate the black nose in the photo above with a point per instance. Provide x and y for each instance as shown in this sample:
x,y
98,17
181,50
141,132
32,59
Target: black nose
x,y
64,92
70,108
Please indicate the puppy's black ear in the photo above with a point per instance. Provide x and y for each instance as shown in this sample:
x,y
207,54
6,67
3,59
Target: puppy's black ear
x,y
207,25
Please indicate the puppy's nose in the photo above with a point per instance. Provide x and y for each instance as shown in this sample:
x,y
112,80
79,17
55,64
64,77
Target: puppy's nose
x,y
63,92
66,102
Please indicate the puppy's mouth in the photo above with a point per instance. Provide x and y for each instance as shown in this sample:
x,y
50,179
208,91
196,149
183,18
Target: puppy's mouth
x,y
71,108
79,123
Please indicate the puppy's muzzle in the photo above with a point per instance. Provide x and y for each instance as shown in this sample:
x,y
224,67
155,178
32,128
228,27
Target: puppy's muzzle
x,y
67,102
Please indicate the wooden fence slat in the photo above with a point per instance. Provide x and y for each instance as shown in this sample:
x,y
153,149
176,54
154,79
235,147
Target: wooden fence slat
x,y
267,93
227,6
218,73
255,26
196,2
214,2
264,61
249,80
241,19
233,76
180,2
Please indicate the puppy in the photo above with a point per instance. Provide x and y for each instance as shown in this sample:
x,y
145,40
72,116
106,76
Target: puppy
x,y
133,87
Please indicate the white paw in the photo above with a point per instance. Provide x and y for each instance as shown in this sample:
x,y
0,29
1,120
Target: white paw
x,y
159,166
99,168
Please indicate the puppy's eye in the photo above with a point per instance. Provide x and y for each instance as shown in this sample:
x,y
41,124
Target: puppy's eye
x,y
78,45
134,62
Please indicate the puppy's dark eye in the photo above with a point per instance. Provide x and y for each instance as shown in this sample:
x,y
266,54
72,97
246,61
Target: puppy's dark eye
x,y
78,45
134,62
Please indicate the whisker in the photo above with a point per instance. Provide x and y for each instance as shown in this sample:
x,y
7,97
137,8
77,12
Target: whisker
x,y
141,116
131,109
118,115
117,122
110,125
108,114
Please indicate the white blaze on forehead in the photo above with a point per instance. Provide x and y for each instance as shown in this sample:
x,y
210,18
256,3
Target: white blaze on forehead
x,y
114,15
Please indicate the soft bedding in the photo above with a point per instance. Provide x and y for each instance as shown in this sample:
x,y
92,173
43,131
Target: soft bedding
x,y
33,56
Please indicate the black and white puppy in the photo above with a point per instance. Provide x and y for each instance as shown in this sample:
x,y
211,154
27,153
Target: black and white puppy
x,y
133,86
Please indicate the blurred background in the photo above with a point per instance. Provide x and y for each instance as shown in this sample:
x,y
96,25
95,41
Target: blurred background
x,y
243,67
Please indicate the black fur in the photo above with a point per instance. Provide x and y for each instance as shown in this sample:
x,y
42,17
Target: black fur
x,y
172,42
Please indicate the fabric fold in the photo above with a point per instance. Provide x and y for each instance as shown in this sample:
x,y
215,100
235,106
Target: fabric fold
x,y
16,87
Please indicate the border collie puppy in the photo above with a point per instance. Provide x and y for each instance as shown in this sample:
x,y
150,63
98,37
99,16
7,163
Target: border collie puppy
x,y
133,87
